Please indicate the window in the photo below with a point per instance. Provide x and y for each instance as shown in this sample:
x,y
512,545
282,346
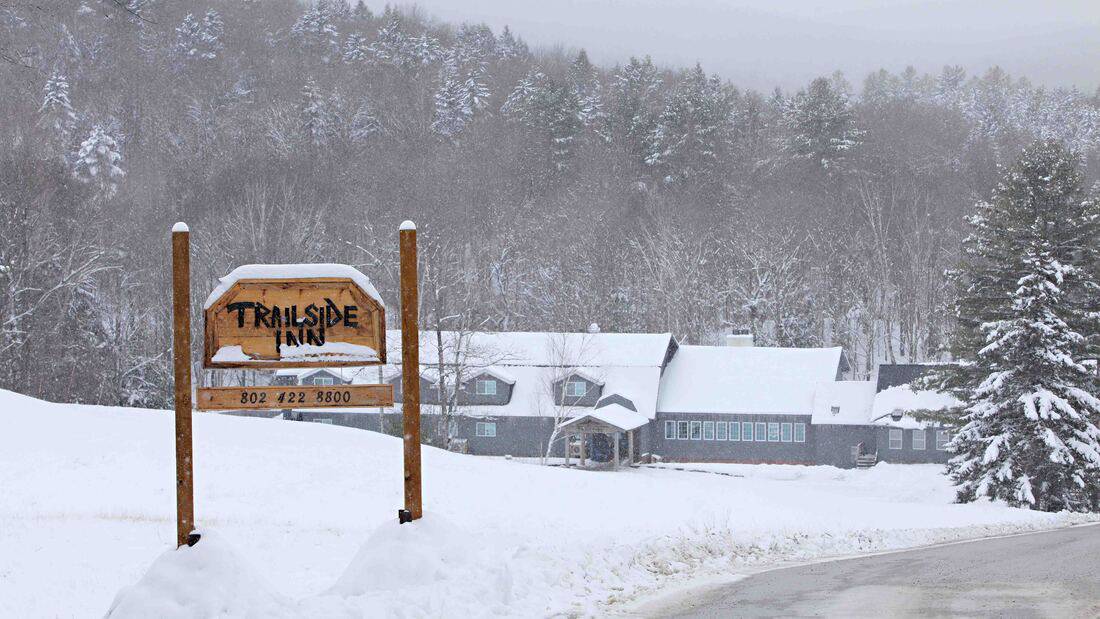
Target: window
x,y
761,432
486,387
670,430
773,432
895,438
485,428
720,431
682,430
943,437
327,421
785,433
919,439
746,431
708,430
576,388
800,433
322,380
696,430
735,431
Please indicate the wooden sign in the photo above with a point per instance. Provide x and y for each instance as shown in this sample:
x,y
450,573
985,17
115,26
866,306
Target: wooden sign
x,y
289,316
294,396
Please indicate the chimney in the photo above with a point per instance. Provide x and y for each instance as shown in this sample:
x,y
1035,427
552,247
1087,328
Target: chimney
x,y
740,338
593,328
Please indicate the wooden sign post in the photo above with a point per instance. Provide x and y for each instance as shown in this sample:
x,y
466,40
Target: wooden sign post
x,y
410,372
181,348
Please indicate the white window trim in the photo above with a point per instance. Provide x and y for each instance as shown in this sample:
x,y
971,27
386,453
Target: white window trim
x,y
758,436
729,435
773,424
923,440
569,385
687,430
947,439
788,427
750,434
797,427
721,431
670,425
481,428
708,424
693,434
485,382
900,434
325,381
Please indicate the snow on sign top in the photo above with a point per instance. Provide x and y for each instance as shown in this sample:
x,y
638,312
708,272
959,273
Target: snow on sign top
x,y
294,315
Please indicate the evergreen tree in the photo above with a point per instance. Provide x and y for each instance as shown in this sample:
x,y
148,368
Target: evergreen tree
x,y
631,112
510,47
452,103
355,48
200,40
551,113
56,114
691,137
98,161
820,125
585,82
1028,303
364,124
314,115
315,34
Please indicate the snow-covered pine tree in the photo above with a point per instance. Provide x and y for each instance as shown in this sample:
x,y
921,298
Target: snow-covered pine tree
x,y
820,125
452,103
508,46
1029,299
314,116
585,82
200,40
56,114
551,113
355,48
691,137
98,161
316,35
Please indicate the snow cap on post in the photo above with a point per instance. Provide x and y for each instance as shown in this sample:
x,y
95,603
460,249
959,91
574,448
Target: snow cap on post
x,y
408,225
180,227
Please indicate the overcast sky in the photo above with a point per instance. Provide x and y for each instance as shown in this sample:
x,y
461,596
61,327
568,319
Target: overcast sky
x,y
762,44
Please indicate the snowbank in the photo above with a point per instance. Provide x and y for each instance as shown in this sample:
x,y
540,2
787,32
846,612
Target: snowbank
x,y
88,501
208,580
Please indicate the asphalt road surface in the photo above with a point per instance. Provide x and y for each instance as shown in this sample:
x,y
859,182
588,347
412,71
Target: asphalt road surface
x,y
1051,574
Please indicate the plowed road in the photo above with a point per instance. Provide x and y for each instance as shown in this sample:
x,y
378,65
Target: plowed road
x,y
1051,574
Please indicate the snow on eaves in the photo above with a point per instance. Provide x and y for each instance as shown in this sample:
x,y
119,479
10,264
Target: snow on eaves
x,y
846,402
615,415
292,271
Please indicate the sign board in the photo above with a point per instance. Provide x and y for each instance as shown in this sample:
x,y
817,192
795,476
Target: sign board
x,y
294,396
293,316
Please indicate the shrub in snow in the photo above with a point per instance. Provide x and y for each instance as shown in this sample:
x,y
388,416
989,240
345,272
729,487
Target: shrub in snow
x,y
1030,295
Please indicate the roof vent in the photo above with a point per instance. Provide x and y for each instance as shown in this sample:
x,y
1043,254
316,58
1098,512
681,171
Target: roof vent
x,y
740,337
594,328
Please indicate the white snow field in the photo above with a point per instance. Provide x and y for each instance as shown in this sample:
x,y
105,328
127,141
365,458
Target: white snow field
x,y
300,521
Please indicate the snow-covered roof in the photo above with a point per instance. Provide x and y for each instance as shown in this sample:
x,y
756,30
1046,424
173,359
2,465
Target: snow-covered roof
x,y
498,373
562,350
733,379
292,271
613,414
892,406
846,402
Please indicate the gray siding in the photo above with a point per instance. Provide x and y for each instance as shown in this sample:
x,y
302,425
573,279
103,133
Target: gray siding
x,y
908,455
469,396
833,443
714,450
591,396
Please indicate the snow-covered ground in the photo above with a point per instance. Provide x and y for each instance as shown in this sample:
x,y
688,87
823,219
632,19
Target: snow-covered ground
x,y
300,522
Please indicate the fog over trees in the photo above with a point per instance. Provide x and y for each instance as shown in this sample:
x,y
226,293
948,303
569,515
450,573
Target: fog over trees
x,y
550,193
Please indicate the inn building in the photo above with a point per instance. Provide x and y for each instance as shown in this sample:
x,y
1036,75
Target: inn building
x,y
647,397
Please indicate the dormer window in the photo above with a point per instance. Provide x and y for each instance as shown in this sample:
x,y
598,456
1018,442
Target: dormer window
x,y
576,388
322,380
485,386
